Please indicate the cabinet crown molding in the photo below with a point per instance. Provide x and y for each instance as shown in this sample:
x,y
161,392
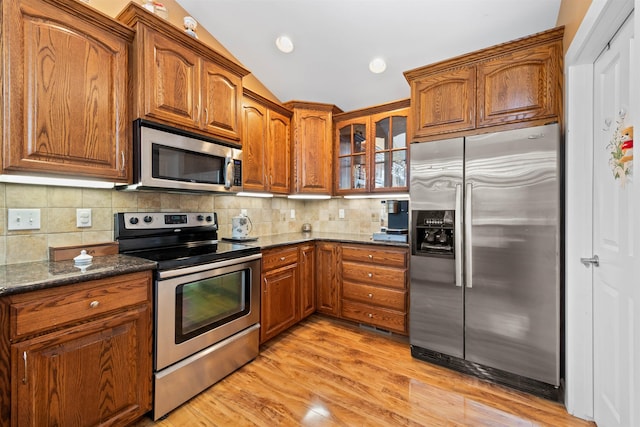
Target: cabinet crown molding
x,y
544,37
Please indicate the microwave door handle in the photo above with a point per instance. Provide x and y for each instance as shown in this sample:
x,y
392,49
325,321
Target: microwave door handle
x,y
229,172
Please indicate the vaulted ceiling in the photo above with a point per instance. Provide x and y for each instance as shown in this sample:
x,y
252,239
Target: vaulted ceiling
x,y
334,40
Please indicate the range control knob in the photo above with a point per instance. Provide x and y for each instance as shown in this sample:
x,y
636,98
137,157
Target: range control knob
x,y
209,218
200,217
133,220
148,219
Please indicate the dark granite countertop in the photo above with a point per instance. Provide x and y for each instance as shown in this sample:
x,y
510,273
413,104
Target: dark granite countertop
x,y
266,242
30,276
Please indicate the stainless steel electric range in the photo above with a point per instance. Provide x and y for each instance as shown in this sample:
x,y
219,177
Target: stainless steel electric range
x,y
206,300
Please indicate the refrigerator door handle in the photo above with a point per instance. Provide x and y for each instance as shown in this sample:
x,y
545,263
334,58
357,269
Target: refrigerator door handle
x,y
467,235
458,235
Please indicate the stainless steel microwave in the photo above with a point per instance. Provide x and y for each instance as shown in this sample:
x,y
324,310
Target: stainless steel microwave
x,y
166,158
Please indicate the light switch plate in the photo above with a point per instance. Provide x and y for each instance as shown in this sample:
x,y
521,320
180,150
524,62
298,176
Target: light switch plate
x,y
23,219
83,218
341,213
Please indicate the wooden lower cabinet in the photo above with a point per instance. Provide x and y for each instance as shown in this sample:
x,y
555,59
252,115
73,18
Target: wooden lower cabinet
x,y
288,288
278,307
357,282
80,355
328,278
374,286
307,280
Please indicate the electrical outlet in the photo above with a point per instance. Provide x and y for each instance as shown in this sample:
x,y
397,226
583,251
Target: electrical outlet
x,y
293,214
23,219
341,213
83,217
243,212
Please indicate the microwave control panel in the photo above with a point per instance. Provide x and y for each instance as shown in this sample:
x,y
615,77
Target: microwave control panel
x,y
237,173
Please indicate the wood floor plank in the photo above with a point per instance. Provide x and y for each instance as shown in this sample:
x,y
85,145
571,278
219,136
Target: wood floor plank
x,y
327,373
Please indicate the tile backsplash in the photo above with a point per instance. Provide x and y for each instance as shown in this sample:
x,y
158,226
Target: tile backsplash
x,y
58,206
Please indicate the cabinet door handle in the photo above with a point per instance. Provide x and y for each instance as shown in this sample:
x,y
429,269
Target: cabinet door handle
x,y
370,316
94,304
206,115
370,274
265,284
370,256
124,161
370,295
282,258
24,377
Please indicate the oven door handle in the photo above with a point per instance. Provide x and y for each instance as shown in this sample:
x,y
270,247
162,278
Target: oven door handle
x,y
204,267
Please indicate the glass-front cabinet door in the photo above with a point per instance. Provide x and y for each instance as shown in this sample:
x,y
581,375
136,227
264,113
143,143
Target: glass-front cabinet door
x,y
352,156
391,155
372,152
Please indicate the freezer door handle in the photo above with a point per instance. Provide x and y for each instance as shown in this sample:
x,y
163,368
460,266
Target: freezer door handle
x,y
467,235
458,235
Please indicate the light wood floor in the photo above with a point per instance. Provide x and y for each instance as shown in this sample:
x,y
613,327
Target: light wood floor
x,y
324,373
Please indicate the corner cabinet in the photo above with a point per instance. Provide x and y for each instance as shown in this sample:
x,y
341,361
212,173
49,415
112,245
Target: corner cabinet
x,y
514,84
312,147
288,288
88,345
371,149
66,90
182,82
265,145
328,277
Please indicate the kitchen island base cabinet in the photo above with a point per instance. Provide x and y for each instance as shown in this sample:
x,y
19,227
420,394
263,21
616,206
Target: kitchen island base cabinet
x,y
78,355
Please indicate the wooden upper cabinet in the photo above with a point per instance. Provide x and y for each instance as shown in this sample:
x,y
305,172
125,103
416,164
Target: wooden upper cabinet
x,y
312,146
444,102
65,84
371,149
172,73
221,100
511,85
522,85
278,155
265,145
254,144
182,82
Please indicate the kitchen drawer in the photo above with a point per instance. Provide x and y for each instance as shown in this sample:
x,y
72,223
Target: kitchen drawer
x,y
384,318
375,255
276,258
373,274
375,295
48,309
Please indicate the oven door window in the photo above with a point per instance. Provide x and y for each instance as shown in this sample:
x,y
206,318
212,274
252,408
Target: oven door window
x,y
184,165
206,304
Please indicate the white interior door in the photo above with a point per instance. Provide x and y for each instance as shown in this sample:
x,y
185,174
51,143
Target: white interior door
x,y
613,281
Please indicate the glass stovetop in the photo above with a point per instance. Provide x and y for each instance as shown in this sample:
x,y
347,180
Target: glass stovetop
x,y
183,256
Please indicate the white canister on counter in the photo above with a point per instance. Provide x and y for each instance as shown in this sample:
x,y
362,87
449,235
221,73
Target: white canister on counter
x,y
240,227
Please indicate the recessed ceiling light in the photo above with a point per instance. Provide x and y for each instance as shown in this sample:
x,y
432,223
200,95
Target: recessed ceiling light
x,y
377,65
285,44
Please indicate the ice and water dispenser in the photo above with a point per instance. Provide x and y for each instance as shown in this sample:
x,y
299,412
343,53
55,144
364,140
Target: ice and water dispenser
x,y
433,233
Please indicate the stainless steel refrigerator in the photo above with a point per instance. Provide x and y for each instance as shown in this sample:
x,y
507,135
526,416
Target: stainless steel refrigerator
x,y
485,265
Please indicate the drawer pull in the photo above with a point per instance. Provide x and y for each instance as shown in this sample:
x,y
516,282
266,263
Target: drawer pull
x,y
370,274
94,304
282,258
24,377
370,256
370,295
370,316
